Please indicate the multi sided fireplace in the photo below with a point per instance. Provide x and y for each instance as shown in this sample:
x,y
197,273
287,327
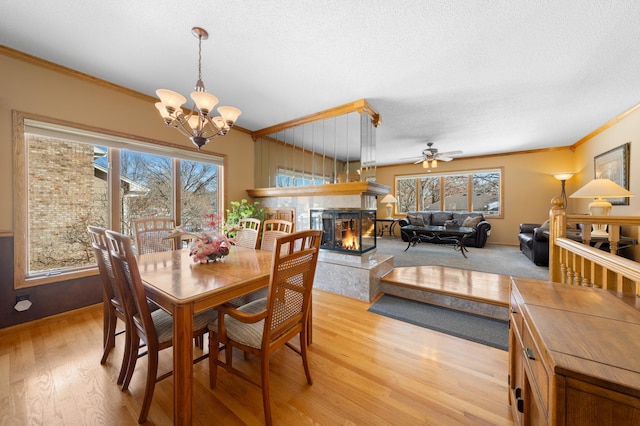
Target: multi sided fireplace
x,y
350,231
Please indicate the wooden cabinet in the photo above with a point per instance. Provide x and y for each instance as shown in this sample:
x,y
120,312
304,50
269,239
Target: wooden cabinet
x,y
574,356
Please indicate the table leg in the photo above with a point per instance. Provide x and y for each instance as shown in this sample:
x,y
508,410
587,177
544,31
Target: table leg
x,y
461,246
393,224
182,365
415,239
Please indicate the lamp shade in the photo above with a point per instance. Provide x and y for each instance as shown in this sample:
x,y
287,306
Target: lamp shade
x,y
389,199
601,188
563,176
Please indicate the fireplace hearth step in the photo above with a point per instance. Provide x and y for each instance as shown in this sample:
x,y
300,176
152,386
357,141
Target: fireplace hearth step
x,y
470,291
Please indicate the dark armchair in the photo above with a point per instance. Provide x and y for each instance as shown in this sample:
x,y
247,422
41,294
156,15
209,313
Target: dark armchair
x,y
534,243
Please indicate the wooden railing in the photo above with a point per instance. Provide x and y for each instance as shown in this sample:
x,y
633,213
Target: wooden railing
x,y
576,263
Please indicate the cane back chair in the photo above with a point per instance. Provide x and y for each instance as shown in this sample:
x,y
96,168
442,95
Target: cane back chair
x,y
154,328
265,325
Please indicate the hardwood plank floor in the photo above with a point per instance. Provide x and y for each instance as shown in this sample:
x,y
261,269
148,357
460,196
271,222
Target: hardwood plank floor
x,y
367,370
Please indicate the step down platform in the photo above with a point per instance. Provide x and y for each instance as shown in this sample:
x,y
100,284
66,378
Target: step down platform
x,y
476,292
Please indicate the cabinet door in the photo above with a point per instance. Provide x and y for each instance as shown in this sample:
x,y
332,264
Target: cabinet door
x,y
588,404
533,414
516,378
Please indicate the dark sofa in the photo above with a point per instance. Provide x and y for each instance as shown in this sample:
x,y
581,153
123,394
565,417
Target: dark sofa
x,y
438,218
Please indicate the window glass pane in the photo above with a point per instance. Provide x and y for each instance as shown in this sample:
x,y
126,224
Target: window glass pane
x,y
145,187
429,193
67,190
406,194
200,194
486,193
285,178
456,193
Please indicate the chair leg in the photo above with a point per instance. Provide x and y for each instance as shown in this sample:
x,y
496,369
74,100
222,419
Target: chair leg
x,y
266,399
106,316
109,334
131,364
152,373
228,355
303,353
214,352
126,357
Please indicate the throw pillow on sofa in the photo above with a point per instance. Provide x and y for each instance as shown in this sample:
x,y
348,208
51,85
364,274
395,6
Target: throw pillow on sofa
x,y
416,220
471,221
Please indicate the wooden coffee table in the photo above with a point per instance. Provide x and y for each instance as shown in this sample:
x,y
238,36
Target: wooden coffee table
x,y
439,235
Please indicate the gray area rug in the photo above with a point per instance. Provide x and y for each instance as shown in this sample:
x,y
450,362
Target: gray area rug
x,y
492,258
476,328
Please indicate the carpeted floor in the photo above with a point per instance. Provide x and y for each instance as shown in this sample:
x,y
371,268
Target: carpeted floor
x,y
493,258
487,331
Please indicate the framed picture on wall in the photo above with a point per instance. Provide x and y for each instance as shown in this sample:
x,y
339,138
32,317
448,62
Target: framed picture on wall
x,y
614,165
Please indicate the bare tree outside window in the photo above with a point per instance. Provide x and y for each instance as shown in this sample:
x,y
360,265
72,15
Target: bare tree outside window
x,y
199,186
430,193
478,191
406,194
456,193
146,188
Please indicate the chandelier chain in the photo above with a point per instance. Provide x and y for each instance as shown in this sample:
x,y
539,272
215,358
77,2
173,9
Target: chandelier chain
x,y
199,58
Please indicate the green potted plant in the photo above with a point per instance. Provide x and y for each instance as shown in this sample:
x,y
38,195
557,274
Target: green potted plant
x,y
243,209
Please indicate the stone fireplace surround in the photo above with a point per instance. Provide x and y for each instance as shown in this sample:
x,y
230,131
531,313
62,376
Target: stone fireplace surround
x,y
349,275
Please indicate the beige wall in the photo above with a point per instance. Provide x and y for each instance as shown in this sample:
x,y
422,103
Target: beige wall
x,y
626,130
43,91
528,186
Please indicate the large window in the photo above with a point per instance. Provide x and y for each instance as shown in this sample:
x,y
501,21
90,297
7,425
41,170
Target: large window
x,y
478,191
68,178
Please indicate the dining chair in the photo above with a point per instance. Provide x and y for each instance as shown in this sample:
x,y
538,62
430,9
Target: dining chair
x,y
154,328
265,325
248,232
113,309
272,229
151,234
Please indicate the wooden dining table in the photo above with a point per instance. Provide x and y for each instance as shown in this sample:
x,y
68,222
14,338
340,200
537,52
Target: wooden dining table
x,y
183,288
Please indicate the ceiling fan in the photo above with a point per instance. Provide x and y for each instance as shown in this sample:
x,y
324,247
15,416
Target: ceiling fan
x,y
431,156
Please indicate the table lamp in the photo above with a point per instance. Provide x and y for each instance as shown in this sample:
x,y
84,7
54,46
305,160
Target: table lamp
x,y
600,189
389,199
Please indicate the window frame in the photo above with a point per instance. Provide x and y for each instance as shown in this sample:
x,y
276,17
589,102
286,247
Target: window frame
x,y
470,173
115,141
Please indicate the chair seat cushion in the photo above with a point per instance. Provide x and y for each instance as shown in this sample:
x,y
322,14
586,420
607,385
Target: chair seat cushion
x,y
164,323
247,334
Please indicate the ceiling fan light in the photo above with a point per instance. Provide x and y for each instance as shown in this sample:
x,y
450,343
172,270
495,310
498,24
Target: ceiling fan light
x,y
434,164
425,164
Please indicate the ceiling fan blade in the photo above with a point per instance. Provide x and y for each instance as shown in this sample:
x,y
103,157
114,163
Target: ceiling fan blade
x,y
419,161
446,154
444,158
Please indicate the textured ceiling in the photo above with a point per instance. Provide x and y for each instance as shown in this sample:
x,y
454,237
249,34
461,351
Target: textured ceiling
x,y
483,77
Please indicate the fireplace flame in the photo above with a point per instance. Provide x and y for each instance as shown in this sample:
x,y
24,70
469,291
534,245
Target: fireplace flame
x,y
350,241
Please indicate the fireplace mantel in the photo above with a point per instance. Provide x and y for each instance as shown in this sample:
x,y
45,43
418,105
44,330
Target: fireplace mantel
x,y
347,188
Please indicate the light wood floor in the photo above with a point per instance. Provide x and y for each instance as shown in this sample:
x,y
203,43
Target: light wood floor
x,y
367,370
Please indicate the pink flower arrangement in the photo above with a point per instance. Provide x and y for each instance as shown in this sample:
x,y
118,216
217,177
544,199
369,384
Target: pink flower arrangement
x,y
207,247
